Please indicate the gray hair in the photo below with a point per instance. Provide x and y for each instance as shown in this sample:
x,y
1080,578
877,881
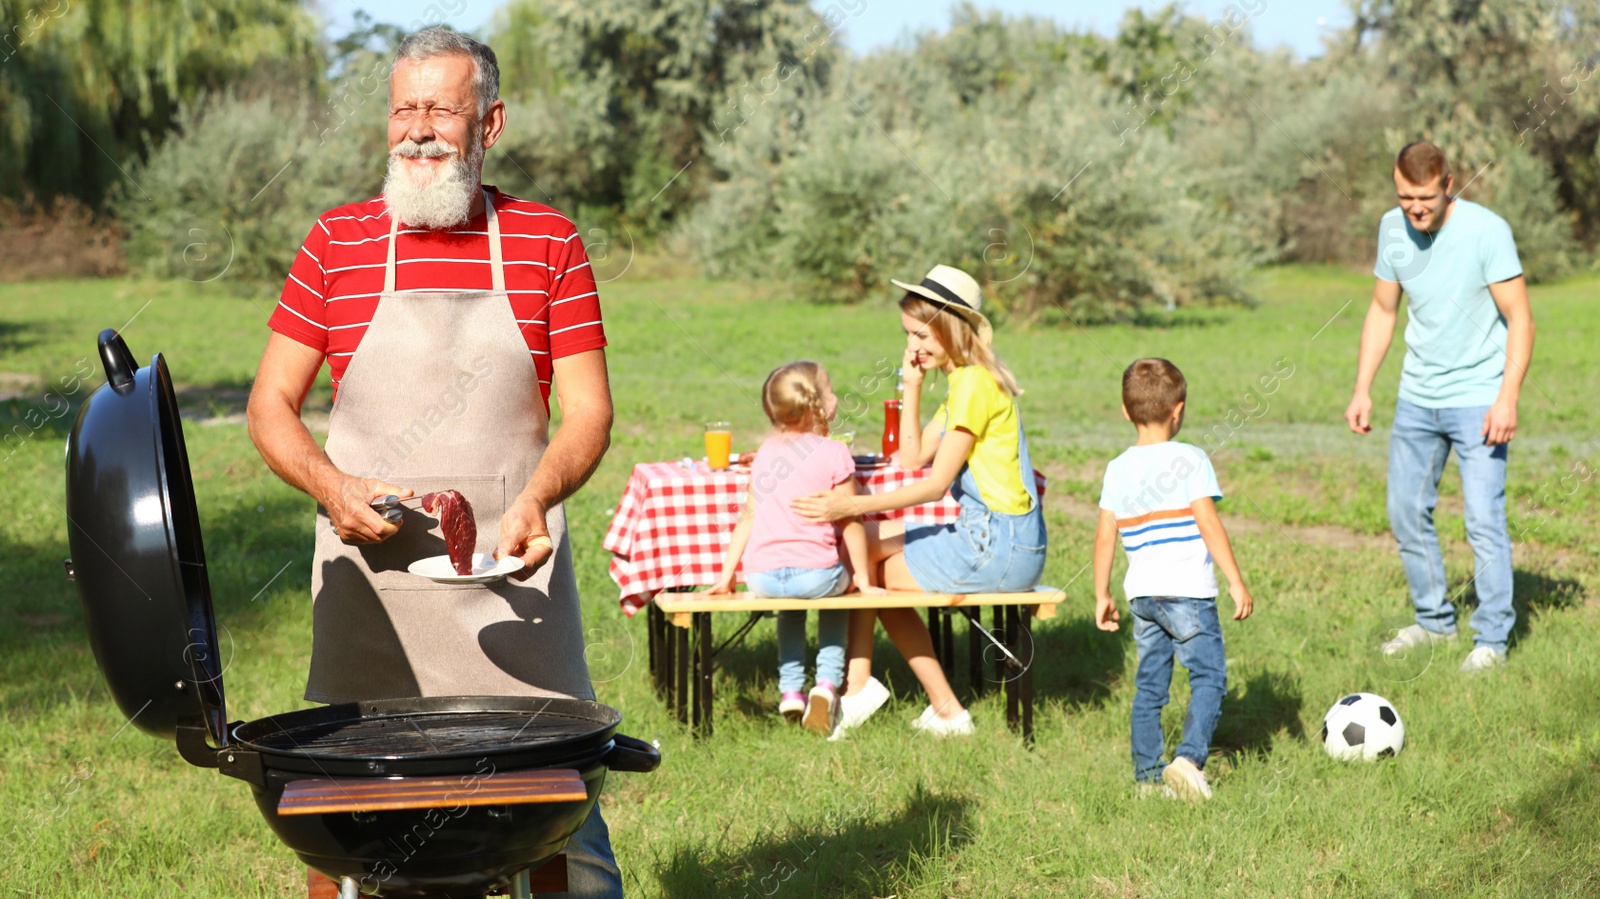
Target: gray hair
x,y
440,41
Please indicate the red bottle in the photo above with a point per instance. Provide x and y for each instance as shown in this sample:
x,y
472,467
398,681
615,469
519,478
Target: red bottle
x,y
891,427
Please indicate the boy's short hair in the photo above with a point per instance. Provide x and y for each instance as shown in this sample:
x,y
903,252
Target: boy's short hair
x,y
1151,389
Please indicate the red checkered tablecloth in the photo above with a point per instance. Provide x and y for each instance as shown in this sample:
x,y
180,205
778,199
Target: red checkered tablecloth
x,y
672,527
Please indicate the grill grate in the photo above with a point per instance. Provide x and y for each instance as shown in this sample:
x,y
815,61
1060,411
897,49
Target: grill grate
x,y
421,735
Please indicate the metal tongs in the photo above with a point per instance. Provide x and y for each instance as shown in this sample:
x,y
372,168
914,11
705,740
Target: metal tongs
x,y
390,506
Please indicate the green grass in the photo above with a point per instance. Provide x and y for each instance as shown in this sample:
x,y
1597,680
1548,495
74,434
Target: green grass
x,y
1495,794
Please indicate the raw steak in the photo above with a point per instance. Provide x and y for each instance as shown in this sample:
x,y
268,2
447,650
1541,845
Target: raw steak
x,y
455,520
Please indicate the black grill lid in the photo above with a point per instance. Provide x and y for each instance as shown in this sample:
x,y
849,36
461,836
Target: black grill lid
x,y
137,555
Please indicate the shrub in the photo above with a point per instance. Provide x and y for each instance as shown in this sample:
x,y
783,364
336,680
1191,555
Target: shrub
x,y
917,161
234,192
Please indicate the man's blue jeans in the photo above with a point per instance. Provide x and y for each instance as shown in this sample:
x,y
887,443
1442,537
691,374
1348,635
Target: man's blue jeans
x,y
1165,627
1420,443
591,867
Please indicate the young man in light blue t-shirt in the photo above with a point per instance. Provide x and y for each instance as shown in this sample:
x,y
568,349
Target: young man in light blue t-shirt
x,y
1469,339
1160,498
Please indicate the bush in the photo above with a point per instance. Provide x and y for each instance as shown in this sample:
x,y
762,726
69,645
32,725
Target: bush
x,y
233,193
919,161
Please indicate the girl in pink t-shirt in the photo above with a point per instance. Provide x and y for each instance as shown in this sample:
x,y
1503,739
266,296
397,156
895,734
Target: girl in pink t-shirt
x,y
786,556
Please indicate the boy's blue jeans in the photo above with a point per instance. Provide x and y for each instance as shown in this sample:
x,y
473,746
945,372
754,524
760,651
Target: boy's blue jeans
x,y
1418,446
833,625
1165,627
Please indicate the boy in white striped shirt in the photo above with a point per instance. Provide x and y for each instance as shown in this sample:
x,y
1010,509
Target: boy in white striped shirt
x,y
1160,497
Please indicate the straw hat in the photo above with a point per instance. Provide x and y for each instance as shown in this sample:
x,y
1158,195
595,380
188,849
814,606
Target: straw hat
x,y
955,291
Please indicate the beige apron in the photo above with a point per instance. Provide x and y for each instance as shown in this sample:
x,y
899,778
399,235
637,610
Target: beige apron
x,y
441,394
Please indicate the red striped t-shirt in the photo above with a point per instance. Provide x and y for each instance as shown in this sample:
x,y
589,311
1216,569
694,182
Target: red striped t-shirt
x,y
332,289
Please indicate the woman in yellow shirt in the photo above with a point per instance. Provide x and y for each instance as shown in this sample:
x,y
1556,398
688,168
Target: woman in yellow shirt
x,y
979,453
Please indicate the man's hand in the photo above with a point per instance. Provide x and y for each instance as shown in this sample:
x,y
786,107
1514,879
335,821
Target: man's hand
x,y
1243,603
350,509
1358,415
1106,615
1377,332
1500,425
525,535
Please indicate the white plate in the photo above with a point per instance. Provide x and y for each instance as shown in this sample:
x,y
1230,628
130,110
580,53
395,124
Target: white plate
x,y
484,569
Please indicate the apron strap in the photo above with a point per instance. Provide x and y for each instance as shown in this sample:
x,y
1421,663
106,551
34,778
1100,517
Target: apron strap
x,y
388,263
497,263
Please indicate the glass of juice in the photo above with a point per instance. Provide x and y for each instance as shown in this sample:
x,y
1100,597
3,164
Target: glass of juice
x,y
719,443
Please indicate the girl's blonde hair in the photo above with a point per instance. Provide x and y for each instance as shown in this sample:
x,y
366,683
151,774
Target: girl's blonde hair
x,y
959,339
792,398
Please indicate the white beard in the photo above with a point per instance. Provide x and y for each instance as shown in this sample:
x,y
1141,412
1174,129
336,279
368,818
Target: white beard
x,y
437,198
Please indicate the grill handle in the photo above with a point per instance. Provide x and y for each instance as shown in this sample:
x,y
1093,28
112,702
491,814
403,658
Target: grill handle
x,y
629,754
118,360
194,744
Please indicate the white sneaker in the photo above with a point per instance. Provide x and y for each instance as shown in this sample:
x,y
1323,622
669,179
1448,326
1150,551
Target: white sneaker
x,y
930,723
1483,659
1187,781
1411,636
1154,791
855,710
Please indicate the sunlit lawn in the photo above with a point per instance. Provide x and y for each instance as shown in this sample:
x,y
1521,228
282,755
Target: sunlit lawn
x,y
1494,795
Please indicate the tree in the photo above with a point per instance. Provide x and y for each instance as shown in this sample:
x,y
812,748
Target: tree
x,y
1490,78
89,86
617,99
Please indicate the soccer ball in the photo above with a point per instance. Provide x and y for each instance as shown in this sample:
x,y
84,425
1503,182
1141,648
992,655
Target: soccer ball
x,y
1362,726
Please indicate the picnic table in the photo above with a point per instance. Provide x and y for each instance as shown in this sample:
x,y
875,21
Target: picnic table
x,y
670,533
672,526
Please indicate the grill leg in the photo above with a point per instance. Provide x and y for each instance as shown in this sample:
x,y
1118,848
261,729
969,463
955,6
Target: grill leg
x,y
349,889
520,886
681,699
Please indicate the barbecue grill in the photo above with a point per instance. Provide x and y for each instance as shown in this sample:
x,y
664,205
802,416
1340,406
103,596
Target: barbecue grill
x,y
408,797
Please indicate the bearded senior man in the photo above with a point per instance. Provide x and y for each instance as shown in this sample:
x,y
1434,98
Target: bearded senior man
x,y
444,310
1469,340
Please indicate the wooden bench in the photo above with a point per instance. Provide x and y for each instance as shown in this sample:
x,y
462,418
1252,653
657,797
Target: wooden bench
x,y
683,653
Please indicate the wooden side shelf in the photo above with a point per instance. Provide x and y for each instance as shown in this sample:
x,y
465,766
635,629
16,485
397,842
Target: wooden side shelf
x,y
316,796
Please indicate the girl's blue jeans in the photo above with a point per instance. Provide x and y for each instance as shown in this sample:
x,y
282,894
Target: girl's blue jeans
x,y
833,625
1168,627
